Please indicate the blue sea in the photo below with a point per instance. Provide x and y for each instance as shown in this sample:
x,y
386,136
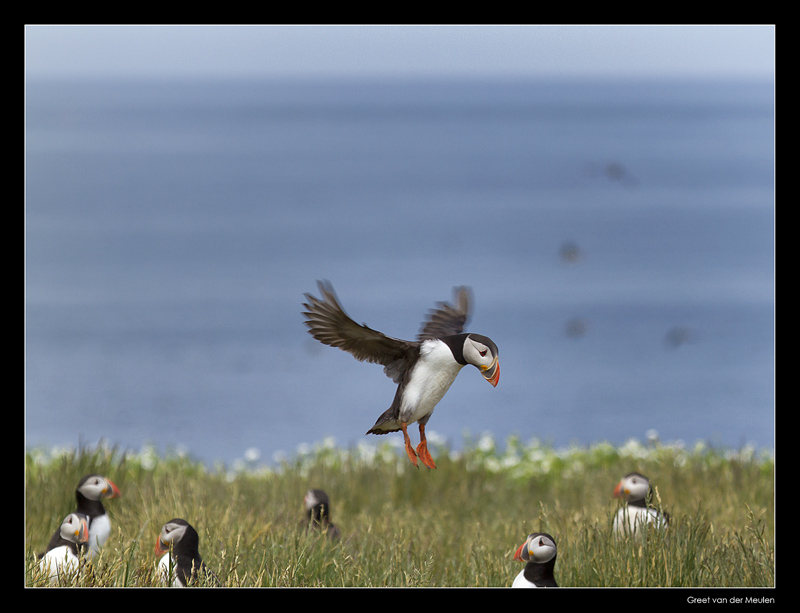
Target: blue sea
x,y
619,239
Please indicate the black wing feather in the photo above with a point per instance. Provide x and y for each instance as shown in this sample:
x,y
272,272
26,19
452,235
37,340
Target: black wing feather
x,y
329,324
448,319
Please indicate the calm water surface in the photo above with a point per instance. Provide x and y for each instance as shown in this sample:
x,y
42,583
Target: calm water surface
x,y
618,237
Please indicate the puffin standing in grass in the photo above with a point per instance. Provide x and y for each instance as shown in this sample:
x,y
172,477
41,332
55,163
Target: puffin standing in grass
x,y
318,513
539,551
89,494
423,369
637,509
68,544
181,563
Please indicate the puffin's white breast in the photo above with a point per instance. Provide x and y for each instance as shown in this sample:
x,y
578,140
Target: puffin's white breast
x,y
166,569
432,376
59,561
629,519
99,530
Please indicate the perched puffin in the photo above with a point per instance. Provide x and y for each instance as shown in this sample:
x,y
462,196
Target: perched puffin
x,y
63,554
539,551
423,369
637,510
318,513
91,490
178,542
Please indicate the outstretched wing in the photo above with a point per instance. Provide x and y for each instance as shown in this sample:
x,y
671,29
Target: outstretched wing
x,y
329,324
447,319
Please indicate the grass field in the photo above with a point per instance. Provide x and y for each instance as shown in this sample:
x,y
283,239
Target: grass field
x,y
456,526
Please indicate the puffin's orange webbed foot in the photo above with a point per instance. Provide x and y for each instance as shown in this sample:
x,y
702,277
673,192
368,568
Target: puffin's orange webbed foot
x,y
425,455
409,449
422,449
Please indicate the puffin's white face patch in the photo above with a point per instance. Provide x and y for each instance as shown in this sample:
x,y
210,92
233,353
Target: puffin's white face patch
x,y
541,549
97,487
75,529
477,353
172,533
484,357
635,487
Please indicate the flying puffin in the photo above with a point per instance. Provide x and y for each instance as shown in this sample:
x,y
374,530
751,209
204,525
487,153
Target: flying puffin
x,y
178,541
68,544
89,493
423,369
637,510
318,513
539,551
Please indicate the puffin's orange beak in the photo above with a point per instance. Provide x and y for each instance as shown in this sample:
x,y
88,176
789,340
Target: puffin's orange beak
x,y
492,372
113,492
618,493
82,532
520,549
160,546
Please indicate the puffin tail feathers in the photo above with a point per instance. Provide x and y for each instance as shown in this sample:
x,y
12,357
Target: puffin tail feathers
x,y
386,423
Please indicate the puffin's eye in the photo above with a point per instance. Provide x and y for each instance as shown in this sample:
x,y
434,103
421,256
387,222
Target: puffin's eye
x,y
483,353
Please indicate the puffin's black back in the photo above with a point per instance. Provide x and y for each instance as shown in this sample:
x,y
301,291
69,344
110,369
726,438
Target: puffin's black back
x,y
318,517
57,541
186,552
319,513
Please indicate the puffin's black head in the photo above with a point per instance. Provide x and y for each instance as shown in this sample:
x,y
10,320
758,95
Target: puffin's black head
x,y
96,487
75,528
177,532
481,352
539,548
633,487
317,505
